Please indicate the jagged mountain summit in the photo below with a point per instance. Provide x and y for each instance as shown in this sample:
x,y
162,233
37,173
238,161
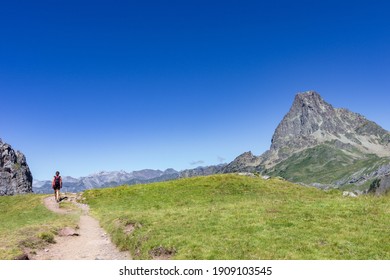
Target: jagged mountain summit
x,y
15,175
312,121
314,134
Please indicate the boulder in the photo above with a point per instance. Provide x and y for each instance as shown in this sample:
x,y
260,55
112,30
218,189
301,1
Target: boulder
x,y
67,232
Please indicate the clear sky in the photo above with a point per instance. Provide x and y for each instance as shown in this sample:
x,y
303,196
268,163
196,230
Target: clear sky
x,y
97,85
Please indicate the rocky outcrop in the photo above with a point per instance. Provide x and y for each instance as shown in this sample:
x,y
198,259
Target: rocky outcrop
x,y
15,175
384,185
201,171
246,162
380,185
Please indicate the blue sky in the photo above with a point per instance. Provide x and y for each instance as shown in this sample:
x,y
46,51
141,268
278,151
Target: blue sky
x,y
87,86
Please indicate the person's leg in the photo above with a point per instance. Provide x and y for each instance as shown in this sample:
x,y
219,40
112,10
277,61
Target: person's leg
x,y
57,194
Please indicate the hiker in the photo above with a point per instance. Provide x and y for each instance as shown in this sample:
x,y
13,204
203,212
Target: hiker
x,y
57,185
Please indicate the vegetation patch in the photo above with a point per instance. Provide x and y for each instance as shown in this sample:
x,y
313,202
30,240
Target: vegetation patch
x,y
33,242
374,185
16,166
47,237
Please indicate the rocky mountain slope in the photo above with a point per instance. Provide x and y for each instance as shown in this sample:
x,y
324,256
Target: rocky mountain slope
x,y
115,178
318,144
15,175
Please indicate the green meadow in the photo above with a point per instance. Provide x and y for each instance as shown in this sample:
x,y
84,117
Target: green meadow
x,y
236,217
25,223
216,217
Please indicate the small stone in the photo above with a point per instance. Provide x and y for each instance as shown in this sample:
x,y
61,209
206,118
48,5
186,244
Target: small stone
x,y
67,232
349,194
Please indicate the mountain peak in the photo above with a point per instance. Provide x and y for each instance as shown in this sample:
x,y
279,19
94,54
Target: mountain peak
x,y
312,121
317,143
311,100
308,95
308,114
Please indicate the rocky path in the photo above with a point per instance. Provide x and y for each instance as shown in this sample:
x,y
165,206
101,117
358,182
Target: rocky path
x,y
88,242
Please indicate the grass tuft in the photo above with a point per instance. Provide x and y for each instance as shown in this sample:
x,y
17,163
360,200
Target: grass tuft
x,y
47,237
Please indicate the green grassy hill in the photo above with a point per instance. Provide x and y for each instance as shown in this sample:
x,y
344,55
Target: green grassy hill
x,y
237,217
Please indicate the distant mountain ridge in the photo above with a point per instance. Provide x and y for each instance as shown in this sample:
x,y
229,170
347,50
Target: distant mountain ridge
x,y
315,138
115,178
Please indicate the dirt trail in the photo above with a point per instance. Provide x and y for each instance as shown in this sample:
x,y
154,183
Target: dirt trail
x,y
90,242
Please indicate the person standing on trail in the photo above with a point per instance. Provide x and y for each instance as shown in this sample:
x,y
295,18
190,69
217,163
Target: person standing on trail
x,y
57,185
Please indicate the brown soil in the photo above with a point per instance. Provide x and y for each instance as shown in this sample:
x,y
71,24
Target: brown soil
x,y
88,242
161,253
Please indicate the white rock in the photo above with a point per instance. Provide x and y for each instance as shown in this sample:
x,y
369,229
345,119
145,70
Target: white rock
x,y
350,194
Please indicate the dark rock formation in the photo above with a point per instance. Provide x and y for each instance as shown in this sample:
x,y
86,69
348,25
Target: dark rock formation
x,y
380,185
384,185
15,175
